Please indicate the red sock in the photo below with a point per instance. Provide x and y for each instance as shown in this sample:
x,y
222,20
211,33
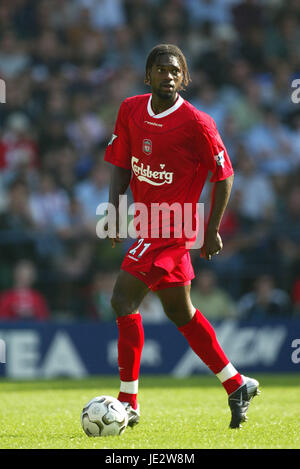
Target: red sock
x,y
130,345
202,339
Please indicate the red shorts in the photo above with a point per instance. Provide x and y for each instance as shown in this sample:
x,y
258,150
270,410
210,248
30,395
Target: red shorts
x,y
159,263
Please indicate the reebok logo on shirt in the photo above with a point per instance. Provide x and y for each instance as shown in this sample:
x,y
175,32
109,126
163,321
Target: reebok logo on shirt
x,y
153,123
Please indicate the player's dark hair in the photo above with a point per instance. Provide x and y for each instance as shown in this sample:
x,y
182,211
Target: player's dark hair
x,y
169,49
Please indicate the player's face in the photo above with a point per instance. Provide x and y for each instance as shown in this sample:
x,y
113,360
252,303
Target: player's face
x,y
166,76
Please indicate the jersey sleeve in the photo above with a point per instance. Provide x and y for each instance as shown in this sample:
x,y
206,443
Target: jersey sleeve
x,y
118,148
212,152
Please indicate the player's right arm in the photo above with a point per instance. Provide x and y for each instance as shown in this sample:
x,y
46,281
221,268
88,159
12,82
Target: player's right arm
x,y
119,182
119,155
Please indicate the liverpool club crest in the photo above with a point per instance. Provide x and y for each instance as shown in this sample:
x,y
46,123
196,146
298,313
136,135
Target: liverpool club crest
x,y
147,146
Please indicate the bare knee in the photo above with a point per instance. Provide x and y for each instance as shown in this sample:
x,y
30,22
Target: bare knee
x,y
177,304
127,295
122,306
180,317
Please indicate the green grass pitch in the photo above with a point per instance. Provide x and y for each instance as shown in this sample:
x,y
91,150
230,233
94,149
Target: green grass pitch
x,y
176,413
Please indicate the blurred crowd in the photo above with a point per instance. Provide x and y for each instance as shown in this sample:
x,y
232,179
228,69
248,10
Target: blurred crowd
x,y
67,65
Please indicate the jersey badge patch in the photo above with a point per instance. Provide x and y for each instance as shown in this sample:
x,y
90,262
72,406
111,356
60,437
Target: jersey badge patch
x,y
112,139
220,159
147,146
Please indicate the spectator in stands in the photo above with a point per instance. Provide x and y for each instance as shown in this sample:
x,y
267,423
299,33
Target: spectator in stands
x,y
49,52
252,48
287,233
246,14
151,310
16,225
256,191
14,59
246,105
17,215
209,101
76,263
22,301
214,11
280,180
105,14
270,144
231,136
49,205
282,37
64,167
265,301
295,139
276,89
18,148
296,297
218,60
93,191
86,130
99,294
3,194
208,296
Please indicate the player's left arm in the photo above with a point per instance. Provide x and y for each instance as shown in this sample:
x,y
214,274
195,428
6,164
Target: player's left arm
x,y
215,157
220,196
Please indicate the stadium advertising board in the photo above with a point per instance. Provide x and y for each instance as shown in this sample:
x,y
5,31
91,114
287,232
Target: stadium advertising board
x,y
48,350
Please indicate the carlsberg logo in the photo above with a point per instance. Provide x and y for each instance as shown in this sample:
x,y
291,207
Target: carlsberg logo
x,y
155,178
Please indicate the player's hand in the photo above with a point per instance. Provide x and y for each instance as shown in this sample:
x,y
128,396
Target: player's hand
x,y
212,245
115,241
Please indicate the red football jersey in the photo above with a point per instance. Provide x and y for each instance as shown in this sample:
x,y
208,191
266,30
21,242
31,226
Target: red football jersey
x,y
170,154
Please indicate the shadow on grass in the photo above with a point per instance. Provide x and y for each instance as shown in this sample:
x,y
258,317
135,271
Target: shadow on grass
x,y
146,381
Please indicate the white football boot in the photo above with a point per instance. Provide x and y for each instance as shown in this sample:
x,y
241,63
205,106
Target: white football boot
x,y
240,399
133,414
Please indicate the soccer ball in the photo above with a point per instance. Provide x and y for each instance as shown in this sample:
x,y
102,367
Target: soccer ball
x,y
104,416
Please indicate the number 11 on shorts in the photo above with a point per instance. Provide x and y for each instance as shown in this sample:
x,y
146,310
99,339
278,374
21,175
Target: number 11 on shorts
x,y
140,244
